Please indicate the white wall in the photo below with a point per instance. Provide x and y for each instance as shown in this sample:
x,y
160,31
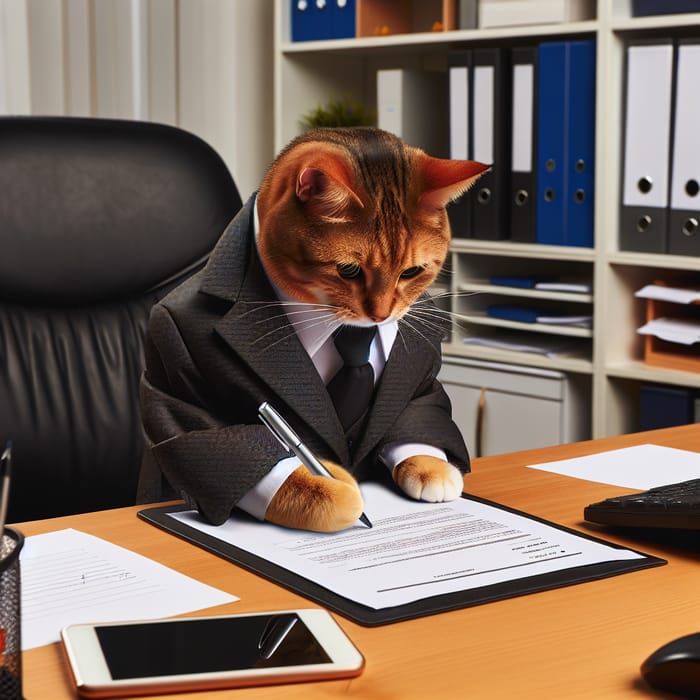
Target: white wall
x,y
203,65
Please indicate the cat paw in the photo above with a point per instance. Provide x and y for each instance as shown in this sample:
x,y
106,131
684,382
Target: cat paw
x,y
309,502
427,478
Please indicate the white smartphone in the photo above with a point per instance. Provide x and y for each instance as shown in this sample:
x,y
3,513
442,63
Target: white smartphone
x,y
202,653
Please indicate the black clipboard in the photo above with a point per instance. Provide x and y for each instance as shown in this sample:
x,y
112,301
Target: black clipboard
x,y
369,617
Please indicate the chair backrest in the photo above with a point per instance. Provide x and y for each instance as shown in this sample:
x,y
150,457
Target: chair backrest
x,y
99,219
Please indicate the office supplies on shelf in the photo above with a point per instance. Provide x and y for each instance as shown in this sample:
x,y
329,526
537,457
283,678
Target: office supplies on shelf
x,y
526,314
293,443
537,343
523,175
410,564
402,96
576,287
670,506
565,142
662,406
322,19
662,292
388,17
521,281
646,143
673,330
507,13
684,215
642,466
646,8
467,14
97,580
491,122
460,72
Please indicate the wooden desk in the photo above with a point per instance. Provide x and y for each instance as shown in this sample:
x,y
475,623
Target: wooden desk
x,y
584,641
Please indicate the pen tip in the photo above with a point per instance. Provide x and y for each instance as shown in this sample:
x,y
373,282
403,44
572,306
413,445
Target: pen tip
x,y
365,520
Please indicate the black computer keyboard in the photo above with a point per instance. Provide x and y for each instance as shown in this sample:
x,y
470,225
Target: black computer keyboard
x,y
672,506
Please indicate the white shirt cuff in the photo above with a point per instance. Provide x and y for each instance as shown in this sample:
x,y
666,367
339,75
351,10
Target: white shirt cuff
x,y
396,452
256,501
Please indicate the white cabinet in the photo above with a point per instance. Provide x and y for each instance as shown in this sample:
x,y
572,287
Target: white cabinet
x,y
504,408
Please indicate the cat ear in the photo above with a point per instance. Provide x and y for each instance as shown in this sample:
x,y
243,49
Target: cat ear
x,y
327,190
446,180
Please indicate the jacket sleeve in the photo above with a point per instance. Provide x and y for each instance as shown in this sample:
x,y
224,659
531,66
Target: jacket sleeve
x,y
203,458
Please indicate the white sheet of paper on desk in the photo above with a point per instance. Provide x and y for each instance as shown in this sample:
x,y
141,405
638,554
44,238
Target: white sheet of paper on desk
x,y
415,550
639,467
71,577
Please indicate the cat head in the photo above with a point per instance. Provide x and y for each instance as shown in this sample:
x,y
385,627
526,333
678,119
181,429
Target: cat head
x,y
355,219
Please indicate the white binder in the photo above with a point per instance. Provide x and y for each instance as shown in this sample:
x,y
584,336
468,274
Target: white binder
x,y
684,218
648,103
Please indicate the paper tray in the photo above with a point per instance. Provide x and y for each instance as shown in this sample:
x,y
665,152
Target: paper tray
x,y
370,617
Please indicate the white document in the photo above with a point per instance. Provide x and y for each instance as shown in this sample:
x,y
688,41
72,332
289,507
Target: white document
x,y
640,467
673,330
677,295
71,577
415,550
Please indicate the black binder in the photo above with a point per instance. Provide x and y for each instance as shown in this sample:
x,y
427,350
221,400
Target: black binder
x,y
491,121
523,177
371,617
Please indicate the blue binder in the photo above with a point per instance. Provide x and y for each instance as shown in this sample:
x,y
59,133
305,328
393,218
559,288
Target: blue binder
x,y
331,19
581,143
551,140
566,143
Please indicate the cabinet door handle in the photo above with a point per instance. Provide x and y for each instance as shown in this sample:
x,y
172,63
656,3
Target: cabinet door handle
x,y
480,418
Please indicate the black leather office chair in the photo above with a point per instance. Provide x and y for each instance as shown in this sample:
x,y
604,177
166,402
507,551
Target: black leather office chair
x,y
98,219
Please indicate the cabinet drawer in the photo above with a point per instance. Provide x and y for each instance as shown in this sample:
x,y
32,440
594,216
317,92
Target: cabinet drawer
x,y
504,408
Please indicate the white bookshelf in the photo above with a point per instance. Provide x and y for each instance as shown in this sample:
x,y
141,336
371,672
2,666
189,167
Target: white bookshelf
x,y
610,362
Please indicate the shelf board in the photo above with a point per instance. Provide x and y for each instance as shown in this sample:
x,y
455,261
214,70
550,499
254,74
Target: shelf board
x,y
641,371
422,40
656,22
563,363
550,329
521,250
662,261
485,287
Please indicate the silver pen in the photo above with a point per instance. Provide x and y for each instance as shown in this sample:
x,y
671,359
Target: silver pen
x,y
292,442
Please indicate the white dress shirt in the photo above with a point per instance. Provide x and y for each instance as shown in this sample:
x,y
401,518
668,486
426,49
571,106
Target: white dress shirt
x,y
317,339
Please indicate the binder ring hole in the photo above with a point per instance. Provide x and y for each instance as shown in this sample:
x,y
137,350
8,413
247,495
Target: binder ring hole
x,y
521,197
579,196
549,195
690,226
550,165
342,3
302,5
484,196
692,188
644,223
321,4
644,184
580,165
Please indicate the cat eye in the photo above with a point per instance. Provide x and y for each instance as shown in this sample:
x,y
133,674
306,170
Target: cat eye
x,y
348,271
410,272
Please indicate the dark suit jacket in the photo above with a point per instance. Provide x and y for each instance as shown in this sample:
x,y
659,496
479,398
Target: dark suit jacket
x,y
217,348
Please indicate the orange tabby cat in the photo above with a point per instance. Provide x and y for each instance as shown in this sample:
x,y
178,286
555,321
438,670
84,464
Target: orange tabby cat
x,y
355,220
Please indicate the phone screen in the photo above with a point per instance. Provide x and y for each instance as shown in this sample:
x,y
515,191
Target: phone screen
x,y
208,646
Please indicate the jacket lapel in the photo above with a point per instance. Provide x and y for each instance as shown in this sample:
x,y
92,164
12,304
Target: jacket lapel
x,y
256,329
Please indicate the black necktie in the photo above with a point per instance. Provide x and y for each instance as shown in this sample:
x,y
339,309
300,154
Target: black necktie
x,y
352,387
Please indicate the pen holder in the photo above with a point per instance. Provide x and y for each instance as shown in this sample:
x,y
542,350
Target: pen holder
x,y
10,621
